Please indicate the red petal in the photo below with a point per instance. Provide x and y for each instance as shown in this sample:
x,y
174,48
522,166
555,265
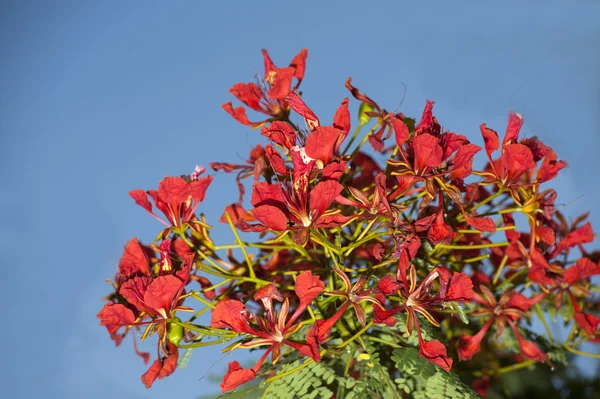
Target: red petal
x,y
521,302
341,119
470,345
269,66
588,322
322,195
435,352
463,161
515,121
583,269
248,93
268,291
582,235
320,143
388,285
173,190
115,315
490,137
439,231
517,159
282,85
265,193
280,133
230,314
236,376
311,349
300,107
239,114
198,188
151,375
276,161
546,234
236,212
307,288
334,170
460,288
162,292
427,152
426,118
133,291
299,64
481,223
271,216
333,220
134,260
400,130
141,198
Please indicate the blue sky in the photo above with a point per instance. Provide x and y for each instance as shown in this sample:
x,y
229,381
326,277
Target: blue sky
x,y
98,98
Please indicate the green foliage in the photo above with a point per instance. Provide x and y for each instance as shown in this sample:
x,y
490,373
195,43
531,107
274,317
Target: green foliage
x,y
422,379
310,382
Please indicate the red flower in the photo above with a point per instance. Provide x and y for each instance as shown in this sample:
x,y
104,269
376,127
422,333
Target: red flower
x,y
384,118
176,198
377,206
516,158
284,206
453,287
509,308
272,330
269,95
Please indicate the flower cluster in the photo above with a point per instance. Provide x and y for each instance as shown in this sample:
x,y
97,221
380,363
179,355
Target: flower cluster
x,y
367,237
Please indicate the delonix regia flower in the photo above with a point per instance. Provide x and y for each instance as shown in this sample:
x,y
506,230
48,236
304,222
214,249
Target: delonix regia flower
x,y
350,234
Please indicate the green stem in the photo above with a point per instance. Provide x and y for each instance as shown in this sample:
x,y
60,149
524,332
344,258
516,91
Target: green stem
x,y
242,246
500,268
580,353
479,246
355,336
506,369
538,309
383,341
511,278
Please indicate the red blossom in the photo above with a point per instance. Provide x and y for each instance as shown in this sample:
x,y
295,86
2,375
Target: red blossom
x,y
176,198
269,95
272,330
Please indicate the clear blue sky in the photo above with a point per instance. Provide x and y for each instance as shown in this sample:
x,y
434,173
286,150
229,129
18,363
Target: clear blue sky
x,y
97,98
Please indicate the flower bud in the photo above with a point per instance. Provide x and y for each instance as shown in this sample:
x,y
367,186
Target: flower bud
x,y
174,332
363,118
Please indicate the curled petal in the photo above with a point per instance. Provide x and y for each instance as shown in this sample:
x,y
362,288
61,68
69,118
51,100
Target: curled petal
x,y
470,345
485,224
388,285
271,216
114,316
231,314
308,287
341,120
321,143
435,352
282,83
298,105
400,130
236,376
587,322
582,269
299,65
322,195
490,137
515,121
